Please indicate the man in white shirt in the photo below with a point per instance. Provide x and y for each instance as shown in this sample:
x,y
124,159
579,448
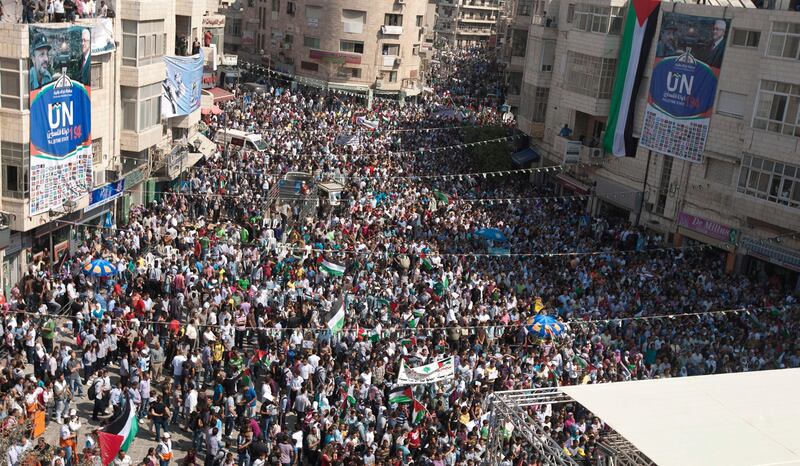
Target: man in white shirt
x,y
122,459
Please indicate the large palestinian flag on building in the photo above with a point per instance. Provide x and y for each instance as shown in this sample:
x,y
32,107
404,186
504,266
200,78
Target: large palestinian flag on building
x,y
119,434
640,28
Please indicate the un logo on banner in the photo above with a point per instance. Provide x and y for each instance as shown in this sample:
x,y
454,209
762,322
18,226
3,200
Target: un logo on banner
x,y
60,119
683,88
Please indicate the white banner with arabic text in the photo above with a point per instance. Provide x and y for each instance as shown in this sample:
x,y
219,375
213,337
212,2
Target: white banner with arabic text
x,y
429,373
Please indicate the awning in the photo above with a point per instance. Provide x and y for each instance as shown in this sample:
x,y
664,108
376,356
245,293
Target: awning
x,y
571,183
525,157
221,95
213,110
741,419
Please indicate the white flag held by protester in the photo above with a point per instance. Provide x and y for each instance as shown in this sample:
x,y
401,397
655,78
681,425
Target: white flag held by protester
x,y
429,373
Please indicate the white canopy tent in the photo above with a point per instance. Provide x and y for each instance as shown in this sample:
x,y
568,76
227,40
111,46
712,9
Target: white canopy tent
x,y
746,419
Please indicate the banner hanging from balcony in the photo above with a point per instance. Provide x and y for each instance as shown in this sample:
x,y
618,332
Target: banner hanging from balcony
x,y
180,91
61,117
640,28
684,85
103,37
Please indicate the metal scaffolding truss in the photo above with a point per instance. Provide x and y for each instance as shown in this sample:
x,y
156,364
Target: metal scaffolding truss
x,y
510,407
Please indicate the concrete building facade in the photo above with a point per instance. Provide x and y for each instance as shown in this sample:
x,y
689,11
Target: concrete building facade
x,y
466,23
355,45
130,139
744,198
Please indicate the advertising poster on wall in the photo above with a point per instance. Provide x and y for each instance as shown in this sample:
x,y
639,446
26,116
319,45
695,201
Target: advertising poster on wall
x,y
61,122
180,91
683,86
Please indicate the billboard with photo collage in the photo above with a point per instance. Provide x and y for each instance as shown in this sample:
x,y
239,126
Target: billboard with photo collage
x,y
61,118
683,85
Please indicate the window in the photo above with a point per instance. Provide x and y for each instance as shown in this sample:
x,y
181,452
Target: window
x,y
601,19
784,40
276,5
570,12
519,41
290,8
391,49
15,162
309,66
97,151
313,13
353,21
419,21
355,72
233,27
143,42
731,104
746,38
514,82
10,88
777,108
770,180
663,184
541,95
141,107
548,55
393,76
590,76
392,20
311,42
97,76
524,7
719,171
351,46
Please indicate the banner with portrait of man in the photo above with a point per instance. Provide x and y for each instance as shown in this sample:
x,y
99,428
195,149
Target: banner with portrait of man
x,y
60,116
180,90
683,85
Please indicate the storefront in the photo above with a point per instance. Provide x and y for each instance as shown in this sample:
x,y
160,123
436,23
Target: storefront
x,y
770,263
615,200
705,231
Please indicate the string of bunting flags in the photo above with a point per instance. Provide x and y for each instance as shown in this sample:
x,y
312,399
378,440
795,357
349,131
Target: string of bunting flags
x,y
471,329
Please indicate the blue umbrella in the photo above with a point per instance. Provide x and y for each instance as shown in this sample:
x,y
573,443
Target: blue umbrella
x,y
492,234
546,326
99,268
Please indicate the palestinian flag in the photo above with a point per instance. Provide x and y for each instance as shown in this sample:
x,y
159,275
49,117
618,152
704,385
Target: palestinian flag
x,y
412,322
640,28
262,357
118,435
418,412
404,396
332,269
408,341
335,318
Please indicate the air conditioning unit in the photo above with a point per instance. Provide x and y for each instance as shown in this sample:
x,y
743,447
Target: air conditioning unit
x,y
398,61
596,152
378,85
648,206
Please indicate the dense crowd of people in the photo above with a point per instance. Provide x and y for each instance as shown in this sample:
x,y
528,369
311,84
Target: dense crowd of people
x,y
217,324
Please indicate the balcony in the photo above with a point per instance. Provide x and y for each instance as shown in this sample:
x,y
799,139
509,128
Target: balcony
x,y
390,60
575,151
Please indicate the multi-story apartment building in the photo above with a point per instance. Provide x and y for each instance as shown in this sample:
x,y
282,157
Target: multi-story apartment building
x,y
465,23
130,139
357,45
744,198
